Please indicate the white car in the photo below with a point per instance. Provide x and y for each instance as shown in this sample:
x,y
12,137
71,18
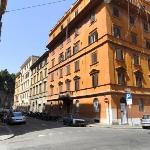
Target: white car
x,y
145,121
16,117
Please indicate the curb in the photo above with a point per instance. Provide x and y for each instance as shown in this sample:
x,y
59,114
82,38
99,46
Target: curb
x,y
114,127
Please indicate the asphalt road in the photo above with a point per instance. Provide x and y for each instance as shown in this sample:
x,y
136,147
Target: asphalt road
x,y
42,135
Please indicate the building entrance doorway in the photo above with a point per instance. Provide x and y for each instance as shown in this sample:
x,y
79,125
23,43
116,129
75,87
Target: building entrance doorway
x,y
123,109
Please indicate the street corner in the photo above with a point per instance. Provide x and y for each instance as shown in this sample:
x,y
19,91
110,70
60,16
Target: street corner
x,y
5,132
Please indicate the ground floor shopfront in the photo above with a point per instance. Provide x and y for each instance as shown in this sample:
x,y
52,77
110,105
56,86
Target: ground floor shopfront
x,y
109,108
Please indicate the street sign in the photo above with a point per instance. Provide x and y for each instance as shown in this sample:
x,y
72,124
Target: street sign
x,y
129,98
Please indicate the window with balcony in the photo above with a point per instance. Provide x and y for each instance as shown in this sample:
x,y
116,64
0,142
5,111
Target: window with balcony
x,y
136,59
138,78
116,31
119,54
115,12
76,66
68,70
133,38
121,75
68,53
94,58
93,37
77,83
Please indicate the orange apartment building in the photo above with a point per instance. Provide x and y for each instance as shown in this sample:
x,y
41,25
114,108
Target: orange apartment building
x,y
99,51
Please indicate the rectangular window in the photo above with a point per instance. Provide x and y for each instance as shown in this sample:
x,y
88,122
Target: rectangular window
x,y
121,78
94,58
77,86
36,89
53,62
68,53
68,70
136,59
68,86
76,32
62,27
147,42
76,12
76,48
115,12
52,76
45,72
132,20
141,105
93,17
60,88
95,79
41,75
133,38
77,67
119,54
116,32
93,37
45,84
60,72
149,63
138,79
52,90
61,58
145,26
40,88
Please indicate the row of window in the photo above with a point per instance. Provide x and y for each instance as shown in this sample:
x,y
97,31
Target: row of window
x,y
132,19
38,89
40,66
117,33
136,57
39,76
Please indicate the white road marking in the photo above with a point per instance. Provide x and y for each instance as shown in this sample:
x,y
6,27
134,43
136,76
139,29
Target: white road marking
x,y
41,135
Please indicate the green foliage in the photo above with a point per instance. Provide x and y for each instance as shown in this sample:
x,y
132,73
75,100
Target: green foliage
x,y
7,82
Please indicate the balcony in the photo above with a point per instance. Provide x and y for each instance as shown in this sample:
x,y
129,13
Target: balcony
x,y
65,95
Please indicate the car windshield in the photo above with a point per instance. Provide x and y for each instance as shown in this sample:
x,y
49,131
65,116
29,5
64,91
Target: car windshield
x,y
146,117
17,114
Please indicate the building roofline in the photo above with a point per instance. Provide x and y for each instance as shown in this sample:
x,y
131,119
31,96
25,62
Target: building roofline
x,y
29,58
40,59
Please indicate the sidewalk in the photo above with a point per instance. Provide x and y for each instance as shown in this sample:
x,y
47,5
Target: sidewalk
x,y
5,132
115,126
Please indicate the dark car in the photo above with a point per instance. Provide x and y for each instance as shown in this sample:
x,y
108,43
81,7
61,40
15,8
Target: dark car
x,y
71,120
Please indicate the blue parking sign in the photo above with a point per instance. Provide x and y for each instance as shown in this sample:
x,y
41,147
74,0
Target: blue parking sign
x,y
129,98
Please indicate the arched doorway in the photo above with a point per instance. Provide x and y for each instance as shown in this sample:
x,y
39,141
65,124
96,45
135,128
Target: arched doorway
x,y
123,109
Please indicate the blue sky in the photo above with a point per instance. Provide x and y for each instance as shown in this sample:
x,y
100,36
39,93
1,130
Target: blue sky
x,y
25,33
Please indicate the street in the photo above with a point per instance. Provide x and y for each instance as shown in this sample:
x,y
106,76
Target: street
x,y
42,135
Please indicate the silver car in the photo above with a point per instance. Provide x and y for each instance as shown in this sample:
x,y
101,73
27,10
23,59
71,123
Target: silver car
x,y
16,117
145,121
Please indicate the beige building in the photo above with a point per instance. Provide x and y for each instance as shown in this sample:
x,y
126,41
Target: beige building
x,y
38,88
24,82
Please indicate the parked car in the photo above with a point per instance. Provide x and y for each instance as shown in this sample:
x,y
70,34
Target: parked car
x,y
16,117
71,120
145,121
